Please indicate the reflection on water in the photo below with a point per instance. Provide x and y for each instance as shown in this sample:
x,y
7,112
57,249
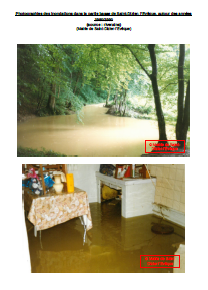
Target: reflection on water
x,y
113,245
101,134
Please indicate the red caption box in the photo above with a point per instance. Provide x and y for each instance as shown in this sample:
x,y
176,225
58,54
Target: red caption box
x,y
163,146
159,261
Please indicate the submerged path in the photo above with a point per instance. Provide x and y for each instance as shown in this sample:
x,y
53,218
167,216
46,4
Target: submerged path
x,y
101,135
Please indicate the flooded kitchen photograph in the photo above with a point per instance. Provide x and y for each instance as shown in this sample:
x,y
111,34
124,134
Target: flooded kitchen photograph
x,y
103,100
103,218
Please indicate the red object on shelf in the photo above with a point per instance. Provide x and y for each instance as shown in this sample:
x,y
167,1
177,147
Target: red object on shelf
x,y
128,172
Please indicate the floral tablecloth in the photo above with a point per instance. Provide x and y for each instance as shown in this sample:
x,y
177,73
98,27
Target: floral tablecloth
x,y
53,209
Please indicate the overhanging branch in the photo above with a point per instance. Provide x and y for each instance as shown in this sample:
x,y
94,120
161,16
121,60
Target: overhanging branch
x,y
137,60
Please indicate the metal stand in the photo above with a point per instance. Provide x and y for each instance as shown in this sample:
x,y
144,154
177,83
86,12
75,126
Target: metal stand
x,y
83,223
85,228
35,234
35,231
41,241
26,214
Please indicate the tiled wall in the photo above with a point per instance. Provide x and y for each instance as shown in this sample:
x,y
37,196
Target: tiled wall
x,y
84,178
170,186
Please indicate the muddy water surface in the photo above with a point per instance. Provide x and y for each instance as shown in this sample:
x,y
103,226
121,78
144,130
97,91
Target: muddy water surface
x,y
101,134
113,245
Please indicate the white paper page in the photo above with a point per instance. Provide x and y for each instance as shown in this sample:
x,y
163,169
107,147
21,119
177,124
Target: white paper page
x,y
145,29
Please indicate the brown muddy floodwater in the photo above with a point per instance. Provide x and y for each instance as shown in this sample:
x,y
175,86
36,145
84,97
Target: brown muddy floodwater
x,y
113,245
101,135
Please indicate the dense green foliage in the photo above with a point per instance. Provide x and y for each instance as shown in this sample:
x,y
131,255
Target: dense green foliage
x,y
55,78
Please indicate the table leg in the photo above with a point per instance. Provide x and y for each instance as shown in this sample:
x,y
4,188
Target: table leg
x,y
26,214
35,231
85,228
41,241
35,234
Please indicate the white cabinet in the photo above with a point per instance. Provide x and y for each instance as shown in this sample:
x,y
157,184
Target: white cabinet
x,y
137,194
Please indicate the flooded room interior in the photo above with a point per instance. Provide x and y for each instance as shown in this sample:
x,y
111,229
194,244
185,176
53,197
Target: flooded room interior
x,y
98,218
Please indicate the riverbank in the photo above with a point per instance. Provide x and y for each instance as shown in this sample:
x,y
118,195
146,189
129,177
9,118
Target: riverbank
x,y
113,110
186,154
30,152
23,116
28,113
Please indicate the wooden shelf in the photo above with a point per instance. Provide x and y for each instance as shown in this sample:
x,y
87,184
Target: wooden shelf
x,y
120,165
48,167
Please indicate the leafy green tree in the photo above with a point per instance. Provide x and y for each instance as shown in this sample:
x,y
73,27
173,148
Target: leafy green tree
x,y
56,78
135,51
150,68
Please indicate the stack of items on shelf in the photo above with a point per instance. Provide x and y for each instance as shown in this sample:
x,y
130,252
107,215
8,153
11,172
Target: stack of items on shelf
x,y
42,178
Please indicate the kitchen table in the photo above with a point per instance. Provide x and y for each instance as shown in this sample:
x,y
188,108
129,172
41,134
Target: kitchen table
x,y
53,208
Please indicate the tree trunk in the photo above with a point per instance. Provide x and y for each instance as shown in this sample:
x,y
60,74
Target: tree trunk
x,y
116,100
124,108
58,91
51,99
186,115
121,103
153,78
40,100
108,97
182,131
75,88
183,118
179,123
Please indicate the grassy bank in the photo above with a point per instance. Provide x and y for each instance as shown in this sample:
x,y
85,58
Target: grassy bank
x,y
29,152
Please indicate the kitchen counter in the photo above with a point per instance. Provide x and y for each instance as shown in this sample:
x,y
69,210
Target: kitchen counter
x,y
137,194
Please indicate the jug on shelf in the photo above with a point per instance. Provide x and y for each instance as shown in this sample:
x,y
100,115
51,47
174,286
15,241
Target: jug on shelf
x,y
58,186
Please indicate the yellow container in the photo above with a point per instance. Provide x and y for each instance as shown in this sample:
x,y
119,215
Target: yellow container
x,y
70,182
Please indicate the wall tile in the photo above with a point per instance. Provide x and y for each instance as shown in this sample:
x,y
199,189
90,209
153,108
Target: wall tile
x,y
159,181
163,200
158,191
84,178
166,171
158,199
153,170
176,205
178,185
165,182
169,193
177,195
180,166
159,171
179,174
172,173
183,179
163,191
169,202
183,187
167,165
182,199
182,207
171,184
149,166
